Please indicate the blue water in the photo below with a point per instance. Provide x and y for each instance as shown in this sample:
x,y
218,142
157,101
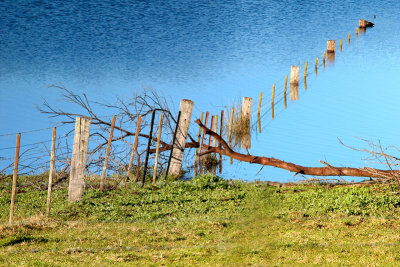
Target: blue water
x,y
215,53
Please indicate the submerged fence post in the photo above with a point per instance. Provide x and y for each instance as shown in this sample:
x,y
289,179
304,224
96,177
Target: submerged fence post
x,y
15,176
246,112
52,161
103,174
185,108
294,82
273,102
331,46
78,161
148,147
221,132
284,92
230,131
198,148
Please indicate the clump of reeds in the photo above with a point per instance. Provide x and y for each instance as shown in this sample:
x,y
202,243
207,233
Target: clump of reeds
x,y
209,161
240,128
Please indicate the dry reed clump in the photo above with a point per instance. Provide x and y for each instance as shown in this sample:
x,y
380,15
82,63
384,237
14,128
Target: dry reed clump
x,y
240,128
209,161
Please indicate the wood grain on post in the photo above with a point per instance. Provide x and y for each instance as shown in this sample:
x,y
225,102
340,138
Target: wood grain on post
x,y
134,147
186,108
15,176
246,112
52,162
158,148
230,130
78,161
331,46
284,92
103,173
273,102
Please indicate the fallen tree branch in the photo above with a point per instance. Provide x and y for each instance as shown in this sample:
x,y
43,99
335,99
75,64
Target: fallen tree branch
x,y
329,170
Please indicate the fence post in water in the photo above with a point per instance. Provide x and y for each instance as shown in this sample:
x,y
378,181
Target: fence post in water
x,y
52,161
230,131
246,112
185,108
357,32
258,113
294,82
272,102
148,147
331,46
134,149
15,176
211,128
349,37
78,161
216,128
103,174
284,92
157,148
341,44
221,132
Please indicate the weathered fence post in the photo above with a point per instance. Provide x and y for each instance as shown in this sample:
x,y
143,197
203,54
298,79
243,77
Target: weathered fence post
x,y
134,149
294,82
230,130
103,173
52,161
284,92
153,114
331,46
15,176
157,148
273,102
185,108
78,161
246,112
221,132
258,113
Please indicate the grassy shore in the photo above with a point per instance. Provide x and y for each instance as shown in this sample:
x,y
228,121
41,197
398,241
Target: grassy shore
x,y
205,222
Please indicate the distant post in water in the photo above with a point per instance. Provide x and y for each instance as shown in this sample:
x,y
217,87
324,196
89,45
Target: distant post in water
x,y
331,46
341,44
15,176
362,24
273,102
294,82
246,112
185,108
284,93
52,162
78,161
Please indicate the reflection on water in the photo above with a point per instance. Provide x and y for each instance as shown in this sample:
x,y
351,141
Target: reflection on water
x,y
213,53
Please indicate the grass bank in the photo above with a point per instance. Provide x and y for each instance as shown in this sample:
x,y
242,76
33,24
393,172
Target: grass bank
x,y
207,221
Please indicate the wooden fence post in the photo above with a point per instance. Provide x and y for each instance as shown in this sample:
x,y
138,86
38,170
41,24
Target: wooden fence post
x,y
230,131
294,82
157,148
186,107
52,162
134,147
78,161
341,44
221,132
246,113
153,114
273,102
103,173
15,176
331,46
211,128
284,92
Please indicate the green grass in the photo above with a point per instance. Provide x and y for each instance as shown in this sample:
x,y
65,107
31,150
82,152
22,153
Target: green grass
x,y
205,222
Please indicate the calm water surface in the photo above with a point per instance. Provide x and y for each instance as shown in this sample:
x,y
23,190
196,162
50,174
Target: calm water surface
x,y
215,53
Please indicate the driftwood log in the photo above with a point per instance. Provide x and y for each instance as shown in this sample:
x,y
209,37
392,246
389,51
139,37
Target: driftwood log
x,y
328,170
